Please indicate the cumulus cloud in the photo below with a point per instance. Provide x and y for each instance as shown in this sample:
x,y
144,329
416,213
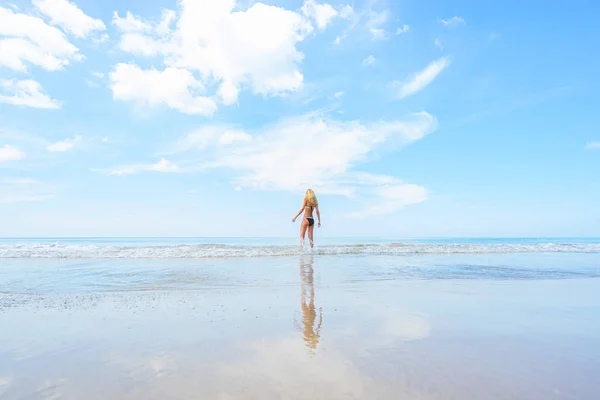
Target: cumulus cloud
x,y
69,17
310,150
64,145
130,23
209,43
420,80
275,158
322,14
28,40
27,93
25,39
452,22
173,87
10,153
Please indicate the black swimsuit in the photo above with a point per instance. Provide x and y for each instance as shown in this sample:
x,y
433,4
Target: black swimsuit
x,y
311,221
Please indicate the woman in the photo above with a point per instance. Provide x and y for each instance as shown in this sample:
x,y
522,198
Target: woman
x,y
308,222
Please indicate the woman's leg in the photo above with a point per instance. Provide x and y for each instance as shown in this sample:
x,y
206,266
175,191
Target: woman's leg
x,y
310,234
303,227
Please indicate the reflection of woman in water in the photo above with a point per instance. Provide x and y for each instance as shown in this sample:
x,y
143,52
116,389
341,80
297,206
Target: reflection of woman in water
x,y
311,333
309,204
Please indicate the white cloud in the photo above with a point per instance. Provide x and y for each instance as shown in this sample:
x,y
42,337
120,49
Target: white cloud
x,y
228,93
311,151
101,38
208,136
392,197
438,44
163,165
28,39
322,14
338,95
167,18
232,50
368,19
28,93
369,61
174,87
131,23
231,137
375,21
592,146
452,22
11,153
347,12
405,28
94,83
421,79
69,17
379,34
105,140
64,145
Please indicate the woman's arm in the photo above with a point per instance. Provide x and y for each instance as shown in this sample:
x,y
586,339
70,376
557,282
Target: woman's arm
x,y
299,212
318,214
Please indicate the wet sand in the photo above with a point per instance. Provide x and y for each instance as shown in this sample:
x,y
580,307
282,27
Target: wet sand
x,y
308,327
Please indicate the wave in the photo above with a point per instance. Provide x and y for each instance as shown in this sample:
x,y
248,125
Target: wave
x,y
89,251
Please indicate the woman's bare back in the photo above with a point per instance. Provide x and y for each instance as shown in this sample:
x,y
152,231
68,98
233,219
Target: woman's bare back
x,y
308,211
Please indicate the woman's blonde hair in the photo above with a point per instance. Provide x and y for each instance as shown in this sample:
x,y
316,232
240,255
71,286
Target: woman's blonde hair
x,y
311,198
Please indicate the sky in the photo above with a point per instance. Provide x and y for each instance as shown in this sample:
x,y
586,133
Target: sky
x,y
445,118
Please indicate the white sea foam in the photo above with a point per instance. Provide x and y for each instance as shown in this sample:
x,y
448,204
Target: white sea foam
x,y
89,251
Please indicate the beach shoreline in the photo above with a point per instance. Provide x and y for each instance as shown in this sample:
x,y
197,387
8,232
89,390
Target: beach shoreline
x,y
310,326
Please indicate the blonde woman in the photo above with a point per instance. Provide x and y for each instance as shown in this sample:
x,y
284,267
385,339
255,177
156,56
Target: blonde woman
x,y
309,204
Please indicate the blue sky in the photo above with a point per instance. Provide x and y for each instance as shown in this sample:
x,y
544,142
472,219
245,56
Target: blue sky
x,y
211,118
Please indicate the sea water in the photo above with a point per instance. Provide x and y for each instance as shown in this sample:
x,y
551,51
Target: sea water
x,y
259,247
261,318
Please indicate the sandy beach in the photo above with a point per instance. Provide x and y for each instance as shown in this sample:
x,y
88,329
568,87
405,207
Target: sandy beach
x,y
502,326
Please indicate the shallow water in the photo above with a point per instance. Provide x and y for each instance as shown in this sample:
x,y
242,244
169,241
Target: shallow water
x,y
193,248
444,326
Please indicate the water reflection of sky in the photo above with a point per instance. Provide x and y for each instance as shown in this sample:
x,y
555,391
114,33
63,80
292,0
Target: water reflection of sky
x,y
304,328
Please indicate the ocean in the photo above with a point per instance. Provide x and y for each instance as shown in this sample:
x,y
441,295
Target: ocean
x,y
261,318
149,248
